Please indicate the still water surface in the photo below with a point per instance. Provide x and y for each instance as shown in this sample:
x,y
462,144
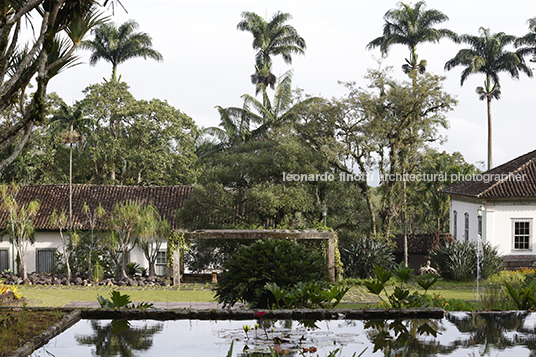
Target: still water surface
x,y
459,334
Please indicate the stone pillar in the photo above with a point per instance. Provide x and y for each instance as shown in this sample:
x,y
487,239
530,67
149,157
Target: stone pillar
x,y
330,257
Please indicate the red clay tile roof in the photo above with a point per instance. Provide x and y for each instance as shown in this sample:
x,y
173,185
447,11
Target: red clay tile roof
x,y
421,243
166,199
502,181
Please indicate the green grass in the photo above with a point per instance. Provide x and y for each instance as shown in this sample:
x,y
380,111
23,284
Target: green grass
x,y
57,296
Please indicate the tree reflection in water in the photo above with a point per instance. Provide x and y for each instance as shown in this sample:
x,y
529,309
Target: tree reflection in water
x,y
489,332
119,338
497,331
409,338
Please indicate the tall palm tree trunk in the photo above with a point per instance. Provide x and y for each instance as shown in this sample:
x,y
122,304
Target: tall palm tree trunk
x,y
70,185
490,156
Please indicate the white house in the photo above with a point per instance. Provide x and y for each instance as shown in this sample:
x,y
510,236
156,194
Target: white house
x,y
499,207
40,256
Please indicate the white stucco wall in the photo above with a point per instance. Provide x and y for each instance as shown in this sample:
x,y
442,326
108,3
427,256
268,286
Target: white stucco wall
x,y
51,240
497,222
499,226
43,240
462,208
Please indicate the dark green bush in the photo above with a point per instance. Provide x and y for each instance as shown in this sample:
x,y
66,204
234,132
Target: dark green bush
x,y
279,261
360,256
458,261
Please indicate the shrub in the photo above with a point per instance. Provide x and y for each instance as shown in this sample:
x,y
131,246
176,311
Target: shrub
x,y
279,261
458,261
360,256
133,269
98,273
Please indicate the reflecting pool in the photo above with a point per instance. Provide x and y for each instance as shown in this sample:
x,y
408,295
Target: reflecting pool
x,y
458,334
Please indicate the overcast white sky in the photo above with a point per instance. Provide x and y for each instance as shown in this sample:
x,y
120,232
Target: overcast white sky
x,y
208,62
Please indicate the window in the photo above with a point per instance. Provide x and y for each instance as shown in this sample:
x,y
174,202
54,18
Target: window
x,y
522,232
4,263
466,227
45,260
160,268
455,224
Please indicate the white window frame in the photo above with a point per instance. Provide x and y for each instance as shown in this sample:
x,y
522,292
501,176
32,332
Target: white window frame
x,y
161,267
165,260
521,220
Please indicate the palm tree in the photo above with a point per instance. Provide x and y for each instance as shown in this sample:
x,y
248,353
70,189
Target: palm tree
x,y
237,124
528,40
411,26
272,38
117,45
72,126
487,55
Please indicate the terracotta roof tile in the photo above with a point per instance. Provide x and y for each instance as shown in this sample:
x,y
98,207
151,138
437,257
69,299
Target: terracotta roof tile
x,y
502,181
166,199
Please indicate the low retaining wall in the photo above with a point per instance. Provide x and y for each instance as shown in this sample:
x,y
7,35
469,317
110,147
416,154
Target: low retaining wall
x,y
513,262
217,314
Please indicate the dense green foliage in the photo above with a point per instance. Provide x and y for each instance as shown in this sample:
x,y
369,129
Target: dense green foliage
x,y
360,256
307,295
282,262
458,261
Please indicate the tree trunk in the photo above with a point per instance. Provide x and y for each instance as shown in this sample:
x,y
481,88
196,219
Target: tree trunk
x,y
22,266
89,265
152,272
368,196
69,273
71,184
490,156
123,271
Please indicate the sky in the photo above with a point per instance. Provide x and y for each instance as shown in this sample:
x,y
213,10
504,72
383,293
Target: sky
x,y
208,62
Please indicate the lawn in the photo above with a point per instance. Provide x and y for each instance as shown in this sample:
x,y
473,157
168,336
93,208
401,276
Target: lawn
x,y
57,296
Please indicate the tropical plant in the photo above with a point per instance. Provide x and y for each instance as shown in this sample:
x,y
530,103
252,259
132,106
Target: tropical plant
x,y
457,261
97,273
72,126
362,253
119,44
133,268
273,38
411,26
523,294
45,56
487,55
151,240
19,224
118,300
528,42
69,239
268,116
278,261
401,297
307,295
93,240
127,222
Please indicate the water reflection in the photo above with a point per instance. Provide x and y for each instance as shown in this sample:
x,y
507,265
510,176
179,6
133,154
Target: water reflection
x,y
119,338
406,337
458,334
495,331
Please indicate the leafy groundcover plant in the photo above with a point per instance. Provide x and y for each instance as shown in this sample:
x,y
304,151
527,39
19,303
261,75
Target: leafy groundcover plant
x,y
119,300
